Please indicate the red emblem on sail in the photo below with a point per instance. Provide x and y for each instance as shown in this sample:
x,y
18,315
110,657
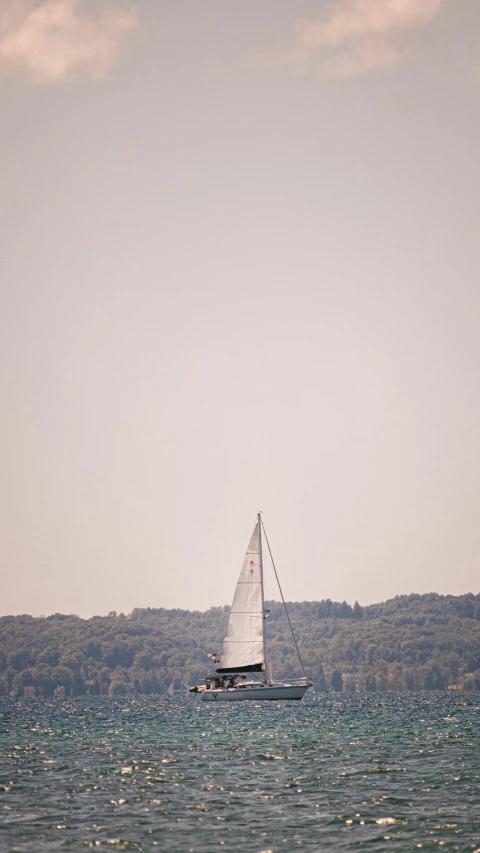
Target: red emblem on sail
x,y
252,565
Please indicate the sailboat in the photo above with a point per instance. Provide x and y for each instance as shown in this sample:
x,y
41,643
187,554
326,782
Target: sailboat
x,y
243,670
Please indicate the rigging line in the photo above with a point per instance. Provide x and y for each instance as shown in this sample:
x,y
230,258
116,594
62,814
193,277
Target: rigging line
x,y
283,600
290,674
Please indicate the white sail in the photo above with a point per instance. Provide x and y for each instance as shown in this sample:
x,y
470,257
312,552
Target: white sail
x,y
243,647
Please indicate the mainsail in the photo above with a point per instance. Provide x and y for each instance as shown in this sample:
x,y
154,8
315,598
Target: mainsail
x,y
243,648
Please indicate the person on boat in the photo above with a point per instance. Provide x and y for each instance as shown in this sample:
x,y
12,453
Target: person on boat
x,y
232,681
219,683
208,684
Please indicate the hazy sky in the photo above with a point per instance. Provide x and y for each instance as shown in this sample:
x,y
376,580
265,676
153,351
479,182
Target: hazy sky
x,y
239,270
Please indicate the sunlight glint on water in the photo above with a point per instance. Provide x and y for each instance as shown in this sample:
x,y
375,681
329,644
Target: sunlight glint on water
x,y
392,771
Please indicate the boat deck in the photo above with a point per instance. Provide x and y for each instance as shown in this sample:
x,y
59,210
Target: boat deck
x,y
255,690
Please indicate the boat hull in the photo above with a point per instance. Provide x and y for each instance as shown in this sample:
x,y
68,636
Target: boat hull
x,y
257,693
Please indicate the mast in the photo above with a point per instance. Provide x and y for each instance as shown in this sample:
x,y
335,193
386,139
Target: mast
x,y
259,522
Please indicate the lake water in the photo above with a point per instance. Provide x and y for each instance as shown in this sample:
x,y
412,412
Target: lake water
x,y
375,772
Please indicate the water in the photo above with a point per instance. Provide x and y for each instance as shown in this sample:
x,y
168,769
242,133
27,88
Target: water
x,y
374,772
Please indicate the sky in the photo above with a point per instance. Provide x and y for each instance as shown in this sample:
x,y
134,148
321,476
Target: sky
x,y
239,271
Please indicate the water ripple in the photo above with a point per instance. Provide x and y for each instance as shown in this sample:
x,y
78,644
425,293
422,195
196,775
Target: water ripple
x,y
376,772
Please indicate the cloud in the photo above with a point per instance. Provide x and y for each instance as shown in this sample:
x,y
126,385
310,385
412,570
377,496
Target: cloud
x,y
51,41
353,37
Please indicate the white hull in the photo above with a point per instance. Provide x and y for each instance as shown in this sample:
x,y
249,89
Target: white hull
x,y
256,693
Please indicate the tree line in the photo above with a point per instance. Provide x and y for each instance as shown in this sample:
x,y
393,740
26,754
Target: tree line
x,y
413,642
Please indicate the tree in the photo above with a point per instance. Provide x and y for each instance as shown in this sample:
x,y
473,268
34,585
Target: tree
x,y
336,681
63,677
319,679
357,611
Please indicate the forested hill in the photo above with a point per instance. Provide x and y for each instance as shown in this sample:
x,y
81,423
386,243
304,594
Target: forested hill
x,y
413,642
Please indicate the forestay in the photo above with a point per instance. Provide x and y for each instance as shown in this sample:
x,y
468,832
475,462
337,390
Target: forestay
x,y
243,648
